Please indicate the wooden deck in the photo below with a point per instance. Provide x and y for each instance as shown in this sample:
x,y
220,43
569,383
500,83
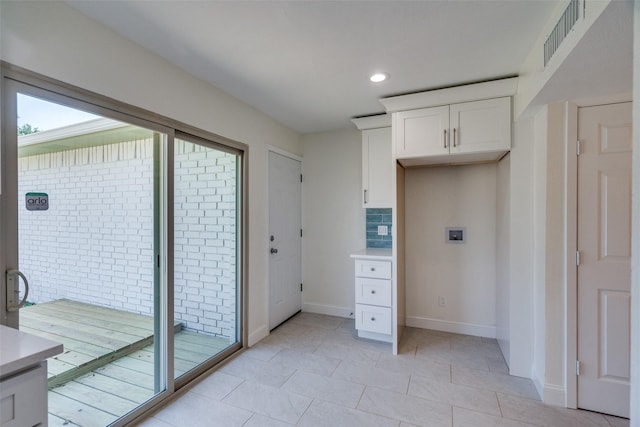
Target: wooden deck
x,y
107,368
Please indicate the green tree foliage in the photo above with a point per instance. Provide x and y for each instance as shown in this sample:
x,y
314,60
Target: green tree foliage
x,y
26,129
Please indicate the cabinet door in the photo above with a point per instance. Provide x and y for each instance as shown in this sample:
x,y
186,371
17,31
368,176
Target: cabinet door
x,y
377,168
481,126
420,133
23,398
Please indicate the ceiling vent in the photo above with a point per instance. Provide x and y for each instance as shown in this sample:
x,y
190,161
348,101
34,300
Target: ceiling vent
x,y
565,24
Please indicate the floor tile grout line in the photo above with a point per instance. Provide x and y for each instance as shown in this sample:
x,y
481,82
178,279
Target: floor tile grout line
x,y
499,405
452,420
304,412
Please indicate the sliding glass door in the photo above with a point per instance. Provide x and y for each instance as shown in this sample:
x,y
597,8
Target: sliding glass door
x,y
129,234
86,198
206,212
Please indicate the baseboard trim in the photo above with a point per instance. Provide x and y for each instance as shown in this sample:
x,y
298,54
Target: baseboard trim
x,y
257,335
554,395
538,383
329,310
454,327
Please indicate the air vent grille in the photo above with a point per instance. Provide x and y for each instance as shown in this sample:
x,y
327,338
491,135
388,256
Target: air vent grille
x,y
563,27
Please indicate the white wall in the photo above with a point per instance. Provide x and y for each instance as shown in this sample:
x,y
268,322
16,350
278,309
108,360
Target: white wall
x,y
333,220
520,245
555,301
55,40
503,267
635,257
539,246
464,274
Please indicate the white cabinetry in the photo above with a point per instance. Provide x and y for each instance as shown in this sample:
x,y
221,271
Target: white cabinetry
x,y
23,398
377,168
458,133
373,298
23,378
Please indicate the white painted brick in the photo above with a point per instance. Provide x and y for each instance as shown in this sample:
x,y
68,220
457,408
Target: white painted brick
x,y
98,233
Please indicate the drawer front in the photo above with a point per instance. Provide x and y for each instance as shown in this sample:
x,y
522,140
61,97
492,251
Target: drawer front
x,y
373,269
373,318
373,291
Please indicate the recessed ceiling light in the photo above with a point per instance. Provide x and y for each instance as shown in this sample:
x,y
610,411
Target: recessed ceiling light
x,y
379,77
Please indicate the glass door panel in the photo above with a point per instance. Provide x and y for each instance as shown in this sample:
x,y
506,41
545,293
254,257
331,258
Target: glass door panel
x,y
206,290
89,221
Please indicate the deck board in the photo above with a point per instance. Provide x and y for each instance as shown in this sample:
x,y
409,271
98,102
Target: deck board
x,y
107,367
92,336
78,412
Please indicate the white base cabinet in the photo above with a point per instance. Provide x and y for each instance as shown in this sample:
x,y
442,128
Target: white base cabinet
x,y
23,378
373,296
23,398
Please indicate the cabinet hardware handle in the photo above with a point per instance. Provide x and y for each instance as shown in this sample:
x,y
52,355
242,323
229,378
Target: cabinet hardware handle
x,y
373,269
365,196
454,137
445,138
373,292
274,251
373,319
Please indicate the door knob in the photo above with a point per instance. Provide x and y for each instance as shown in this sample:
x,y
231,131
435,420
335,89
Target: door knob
x,y
274,251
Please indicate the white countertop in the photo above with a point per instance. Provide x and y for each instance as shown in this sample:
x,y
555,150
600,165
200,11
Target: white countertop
x,y
373,253
19,350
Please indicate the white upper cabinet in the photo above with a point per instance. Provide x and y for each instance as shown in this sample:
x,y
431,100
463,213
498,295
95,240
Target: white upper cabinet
x,y
377,168
481,126
457,133
421,132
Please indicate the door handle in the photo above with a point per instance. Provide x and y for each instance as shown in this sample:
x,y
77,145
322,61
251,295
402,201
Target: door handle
x,y
13,290
274,251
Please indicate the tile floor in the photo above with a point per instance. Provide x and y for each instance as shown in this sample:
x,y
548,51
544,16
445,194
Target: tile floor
x,y
313,371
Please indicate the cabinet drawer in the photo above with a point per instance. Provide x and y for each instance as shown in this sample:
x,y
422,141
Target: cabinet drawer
x,y
373,318
373,291
373,269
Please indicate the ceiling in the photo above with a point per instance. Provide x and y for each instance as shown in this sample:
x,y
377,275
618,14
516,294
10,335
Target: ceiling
x,y
307,63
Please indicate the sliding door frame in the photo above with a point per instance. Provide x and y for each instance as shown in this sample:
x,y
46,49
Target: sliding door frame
x,y
32,83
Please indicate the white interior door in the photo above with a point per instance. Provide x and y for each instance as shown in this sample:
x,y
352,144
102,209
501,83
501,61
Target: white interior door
x,y
604,242
285,224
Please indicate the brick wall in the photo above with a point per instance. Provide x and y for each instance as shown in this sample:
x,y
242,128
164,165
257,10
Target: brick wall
x,y
95,242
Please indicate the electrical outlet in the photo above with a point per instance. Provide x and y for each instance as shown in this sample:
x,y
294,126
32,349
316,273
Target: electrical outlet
x,y
442,301
383,230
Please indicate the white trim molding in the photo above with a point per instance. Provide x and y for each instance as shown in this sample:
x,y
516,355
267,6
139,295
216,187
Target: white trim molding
x,y
453,327
329,310
257,335
372,122
554,395
452,95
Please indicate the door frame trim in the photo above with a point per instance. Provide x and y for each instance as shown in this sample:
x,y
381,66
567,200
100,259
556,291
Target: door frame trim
x,y
288,154
571,217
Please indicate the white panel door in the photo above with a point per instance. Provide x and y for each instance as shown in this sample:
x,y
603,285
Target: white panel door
x,y
604,242
285,223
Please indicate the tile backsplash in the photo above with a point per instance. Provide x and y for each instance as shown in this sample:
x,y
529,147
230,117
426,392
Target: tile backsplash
x,y
376,217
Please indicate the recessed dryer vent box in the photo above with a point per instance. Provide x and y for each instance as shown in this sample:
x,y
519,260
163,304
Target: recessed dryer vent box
x,y
456,234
